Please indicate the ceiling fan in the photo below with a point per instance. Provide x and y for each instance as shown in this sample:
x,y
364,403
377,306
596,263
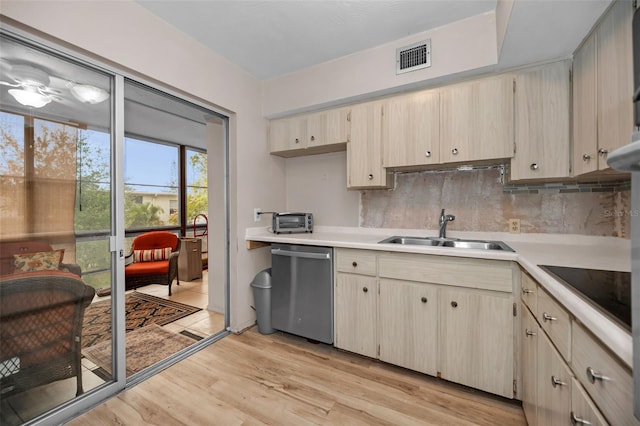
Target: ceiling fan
x,y
32,87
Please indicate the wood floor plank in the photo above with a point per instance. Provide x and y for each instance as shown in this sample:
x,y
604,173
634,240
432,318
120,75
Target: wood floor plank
x,y
252,379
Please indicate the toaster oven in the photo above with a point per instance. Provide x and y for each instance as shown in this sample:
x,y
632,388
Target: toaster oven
x,y
289,223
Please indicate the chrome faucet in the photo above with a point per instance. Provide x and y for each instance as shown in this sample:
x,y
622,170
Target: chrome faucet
x,y
443,223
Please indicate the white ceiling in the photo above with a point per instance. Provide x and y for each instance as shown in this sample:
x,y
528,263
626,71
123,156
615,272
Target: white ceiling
x,y
271,38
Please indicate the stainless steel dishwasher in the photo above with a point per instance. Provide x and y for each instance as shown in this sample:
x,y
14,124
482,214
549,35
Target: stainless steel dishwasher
x,y
302,291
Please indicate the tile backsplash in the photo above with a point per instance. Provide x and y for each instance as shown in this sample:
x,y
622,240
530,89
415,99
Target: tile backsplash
x,y
480,202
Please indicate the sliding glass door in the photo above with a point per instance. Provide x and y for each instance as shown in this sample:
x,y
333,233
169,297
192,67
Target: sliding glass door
x,y
56,220
90,162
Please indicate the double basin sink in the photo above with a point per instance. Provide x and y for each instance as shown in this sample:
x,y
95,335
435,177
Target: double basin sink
x,y
447,242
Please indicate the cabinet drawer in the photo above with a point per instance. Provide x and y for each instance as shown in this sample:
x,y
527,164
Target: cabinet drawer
x,y
456,271
530,293
356,261
555,320
582,408
612,394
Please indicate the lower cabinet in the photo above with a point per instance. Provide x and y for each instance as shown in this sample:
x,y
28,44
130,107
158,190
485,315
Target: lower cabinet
x,y
554,385
408,325
529,365
555,391
477,339
356,306
463,333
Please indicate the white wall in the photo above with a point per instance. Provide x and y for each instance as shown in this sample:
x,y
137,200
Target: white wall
x,y
457,47
318,184
126,35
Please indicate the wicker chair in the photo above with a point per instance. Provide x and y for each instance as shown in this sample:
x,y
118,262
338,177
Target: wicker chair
x,y
41,316
138,274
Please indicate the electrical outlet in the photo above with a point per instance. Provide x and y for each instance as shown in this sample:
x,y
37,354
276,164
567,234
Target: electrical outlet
x,y
514,226
256,214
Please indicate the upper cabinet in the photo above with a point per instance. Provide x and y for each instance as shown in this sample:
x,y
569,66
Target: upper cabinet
x,y
288,136
602,91
328,128
317,133
476,120
542,122
411,130
364,150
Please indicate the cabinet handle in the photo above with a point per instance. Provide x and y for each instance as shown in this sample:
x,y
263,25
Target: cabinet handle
x,y
454,151
370,177
529,332
297,140
546,317
364,289
454,304
313,138
423,300
603,152
427,154
593,375
354,264
556,382
194,250
586,157
575,420
534,166
526,291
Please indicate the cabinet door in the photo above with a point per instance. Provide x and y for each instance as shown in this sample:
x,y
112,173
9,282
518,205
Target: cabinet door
x,y
585,128
328,127
356,304
554,385
529,366
287,134
364,150
476,340
477,120
408,325
615,80
412,130
542,123
583,410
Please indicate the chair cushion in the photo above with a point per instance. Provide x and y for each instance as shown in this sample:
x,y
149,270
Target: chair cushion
x,y
40,261
151,255
146,268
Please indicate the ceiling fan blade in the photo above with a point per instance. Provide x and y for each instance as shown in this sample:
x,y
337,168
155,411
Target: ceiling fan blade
x,y
4,83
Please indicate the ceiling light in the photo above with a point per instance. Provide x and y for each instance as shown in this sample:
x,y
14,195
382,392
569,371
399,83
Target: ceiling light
x,y
31,98
89,94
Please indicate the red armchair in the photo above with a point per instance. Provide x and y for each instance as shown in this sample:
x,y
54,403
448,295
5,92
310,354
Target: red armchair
x,y
150,261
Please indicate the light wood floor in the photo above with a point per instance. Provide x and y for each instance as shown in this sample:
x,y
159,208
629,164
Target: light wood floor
x,y
283,380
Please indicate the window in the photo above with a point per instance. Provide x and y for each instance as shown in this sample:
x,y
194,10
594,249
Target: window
x,y
151,182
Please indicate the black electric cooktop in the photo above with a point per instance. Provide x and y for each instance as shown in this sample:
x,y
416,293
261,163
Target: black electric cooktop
x,y
607,291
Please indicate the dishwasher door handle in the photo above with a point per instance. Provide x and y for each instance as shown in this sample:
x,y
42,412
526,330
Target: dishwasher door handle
x,y
303,254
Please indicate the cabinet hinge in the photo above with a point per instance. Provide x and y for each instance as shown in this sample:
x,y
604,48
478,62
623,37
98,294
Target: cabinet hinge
x,y
378,351
515,310
514,85
515,388
349,116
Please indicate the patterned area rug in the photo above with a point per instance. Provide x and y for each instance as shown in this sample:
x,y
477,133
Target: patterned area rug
x,y
141,310
144,347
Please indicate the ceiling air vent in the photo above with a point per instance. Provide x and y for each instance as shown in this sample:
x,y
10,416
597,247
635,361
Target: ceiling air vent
x,y
413,57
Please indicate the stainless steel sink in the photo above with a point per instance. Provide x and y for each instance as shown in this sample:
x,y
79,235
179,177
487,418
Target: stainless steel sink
x,y
448,242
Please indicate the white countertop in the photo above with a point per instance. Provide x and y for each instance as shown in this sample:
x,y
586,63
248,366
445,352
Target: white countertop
x,y
531,250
